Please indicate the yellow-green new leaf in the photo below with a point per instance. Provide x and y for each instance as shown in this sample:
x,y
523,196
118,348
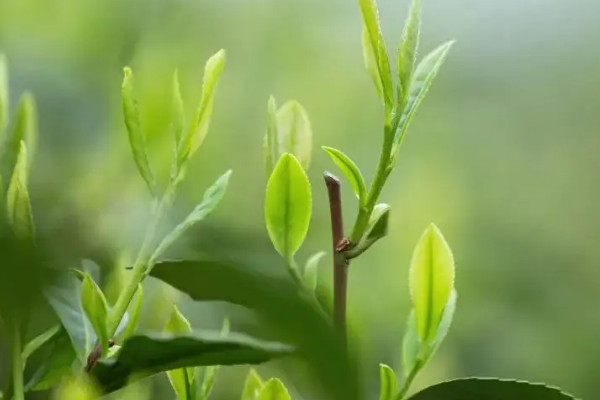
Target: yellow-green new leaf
x,y
137,140
77,388
408,49
24,129
17,199
272,137
420,83
177,112
181,379
135,313
3,93
370,18
288,205
210,373
274,389
311,273
294,132
371,66
199,126
252,386
387,383
350,171
431,281
95,307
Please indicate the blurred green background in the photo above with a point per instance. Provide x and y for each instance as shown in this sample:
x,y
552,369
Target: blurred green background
x,y
503,156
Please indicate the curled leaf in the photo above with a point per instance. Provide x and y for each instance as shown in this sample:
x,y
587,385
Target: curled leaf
x,y
17,198
350,171
95,307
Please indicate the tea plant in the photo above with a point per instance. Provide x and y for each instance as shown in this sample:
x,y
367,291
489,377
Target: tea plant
x,y
95,347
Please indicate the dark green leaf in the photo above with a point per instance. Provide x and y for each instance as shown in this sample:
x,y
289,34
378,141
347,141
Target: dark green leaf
x,y
137,139
350,171
58,364
288,205
144,355
387,383
490,389
179,325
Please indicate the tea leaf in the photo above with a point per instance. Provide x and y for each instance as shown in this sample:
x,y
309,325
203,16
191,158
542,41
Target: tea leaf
x,y
408,50
272,136
212,197
294,132
310,270
421,81
350,171
288,205
210,373
137,139
95,307
57,366
252,386
370,18
143,356
431,281
199,126
445,322
179,325
378,223
274,389
177,113
4,97
387,383
490,388
411,345
41,340
135,313
17,198
371,66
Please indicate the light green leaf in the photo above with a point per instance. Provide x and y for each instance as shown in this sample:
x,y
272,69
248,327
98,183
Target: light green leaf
x,y
272,136
252,386
42,339
408,50
199,126
17,198
274,389
142,356
446,321
210,373
350,171
378,223
77,388
294,132
135,313
288,205
421,81
411,345
137,139
490,388
310,270
387,383
177,113
431,280
58,365
212,197
179,325
4,98
95,308
371,66
370,18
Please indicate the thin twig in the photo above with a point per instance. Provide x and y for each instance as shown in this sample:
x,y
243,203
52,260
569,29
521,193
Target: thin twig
x,y
340,262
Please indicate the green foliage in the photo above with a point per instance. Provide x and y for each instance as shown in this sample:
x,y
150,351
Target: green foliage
x,y
24,129
143,356
350,171
273,389
181,379
17,198
209,375
490,389
177,111
42,339
96,309
408,50
431,281
4,98
288,206
387,383
137,139
252,386
310,270
135,313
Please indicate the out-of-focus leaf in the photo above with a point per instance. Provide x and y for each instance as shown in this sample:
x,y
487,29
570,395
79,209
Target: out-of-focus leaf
x,y
57,366
198,129
252,385
288,313
371,66
420,83
177,112
411,345
387,383
431,281
137,139
378,223
370,18
490,389
210,373
95,307
135,313
179,325
211,199
77,388
294,132
311,273
350,171
288,205
272,136
4,98
17,199
274,389
407,52
42,339
145,355
24,129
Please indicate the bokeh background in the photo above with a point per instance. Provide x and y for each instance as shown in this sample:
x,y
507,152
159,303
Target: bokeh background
x,y
503,156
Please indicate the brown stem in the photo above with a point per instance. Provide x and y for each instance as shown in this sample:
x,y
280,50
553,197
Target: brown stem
x,y
340,262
